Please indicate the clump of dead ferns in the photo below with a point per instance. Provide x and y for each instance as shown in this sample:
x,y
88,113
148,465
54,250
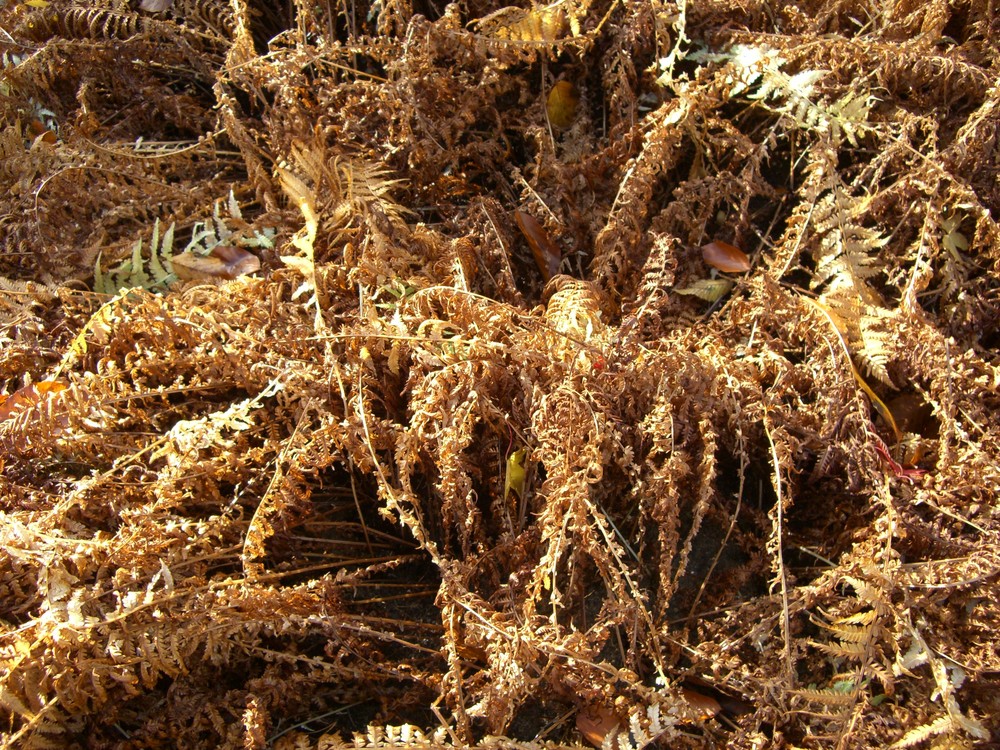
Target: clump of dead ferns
x,y
584,374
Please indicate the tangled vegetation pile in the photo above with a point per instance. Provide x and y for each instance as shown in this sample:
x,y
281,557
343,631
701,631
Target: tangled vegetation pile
x,y
607,373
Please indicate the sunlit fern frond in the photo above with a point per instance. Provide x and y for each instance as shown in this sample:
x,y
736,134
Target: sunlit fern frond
x,y
348,186
132,272
759,75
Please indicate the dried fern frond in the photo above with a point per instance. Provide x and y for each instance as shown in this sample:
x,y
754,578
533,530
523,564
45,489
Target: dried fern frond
x,y
304,241
545,24
356,186
847,258
757,73
18,299
401,480
828,697
78,22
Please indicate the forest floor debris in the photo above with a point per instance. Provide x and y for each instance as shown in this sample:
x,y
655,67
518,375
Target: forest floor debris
x,y
606,373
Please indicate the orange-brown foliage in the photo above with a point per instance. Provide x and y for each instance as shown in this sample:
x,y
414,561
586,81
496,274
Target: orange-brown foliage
x,y
387,471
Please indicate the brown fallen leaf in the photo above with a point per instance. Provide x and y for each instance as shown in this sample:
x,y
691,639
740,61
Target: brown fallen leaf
x,y
224,262
725,703
38,130
547,254
725,257
913,414
596,722
704,706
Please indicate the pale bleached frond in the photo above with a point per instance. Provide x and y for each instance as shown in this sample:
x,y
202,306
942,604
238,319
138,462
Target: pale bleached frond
x,y
758,73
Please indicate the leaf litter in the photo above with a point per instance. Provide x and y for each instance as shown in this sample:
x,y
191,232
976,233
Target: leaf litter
x,y
370,380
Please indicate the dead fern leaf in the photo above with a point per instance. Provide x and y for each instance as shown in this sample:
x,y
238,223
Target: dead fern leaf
x,y
304,261
97,329
923,733
757,73
545,24
828,697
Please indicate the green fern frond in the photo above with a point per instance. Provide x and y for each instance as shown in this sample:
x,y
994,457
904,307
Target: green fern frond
x,y
205,237
220,230
131,273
